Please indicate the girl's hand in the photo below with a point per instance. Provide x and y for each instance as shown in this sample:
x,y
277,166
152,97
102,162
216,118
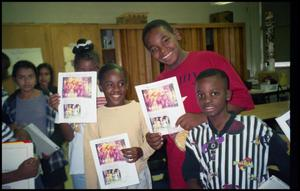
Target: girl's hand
x,y
54,101
101,101
155,140
132,154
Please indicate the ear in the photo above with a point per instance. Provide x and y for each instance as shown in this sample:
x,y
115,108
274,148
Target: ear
x,y
177,34
228,95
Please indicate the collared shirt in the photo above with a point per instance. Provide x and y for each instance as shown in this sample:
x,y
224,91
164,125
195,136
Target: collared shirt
x,y
236,157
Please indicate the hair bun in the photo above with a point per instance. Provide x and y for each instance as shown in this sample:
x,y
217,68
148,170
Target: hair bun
x,y
83,46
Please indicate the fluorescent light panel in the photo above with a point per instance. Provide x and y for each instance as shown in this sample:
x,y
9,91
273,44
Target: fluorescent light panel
x,y
282,64
222,3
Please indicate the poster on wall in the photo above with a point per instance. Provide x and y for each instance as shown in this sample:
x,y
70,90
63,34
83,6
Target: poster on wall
x,y
69,57
33,55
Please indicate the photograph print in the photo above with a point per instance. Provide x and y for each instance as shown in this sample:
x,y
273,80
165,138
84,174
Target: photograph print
x,y
76,87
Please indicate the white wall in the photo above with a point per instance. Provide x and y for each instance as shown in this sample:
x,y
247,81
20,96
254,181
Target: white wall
x,y
106,12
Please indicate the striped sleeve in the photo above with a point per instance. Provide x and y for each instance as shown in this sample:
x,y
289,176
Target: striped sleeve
x,y
7,133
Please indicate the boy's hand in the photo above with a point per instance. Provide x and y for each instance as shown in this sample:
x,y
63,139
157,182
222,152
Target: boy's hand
x,y
155,140
132,154
54,101
189,120
28,168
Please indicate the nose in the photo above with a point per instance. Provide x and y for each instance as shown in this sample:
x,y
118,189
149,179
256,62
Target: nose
x,y
163,51
116,88
207,99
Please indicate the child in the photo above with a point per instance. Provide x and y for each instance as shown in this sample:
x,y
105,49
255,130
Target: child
x,y
29,105
45,79
86,59
116,117
229,151
29,167
162,42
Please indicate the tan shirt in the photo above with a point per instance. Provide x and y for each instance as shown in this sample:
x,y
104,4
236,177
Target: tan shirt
x,y
128,119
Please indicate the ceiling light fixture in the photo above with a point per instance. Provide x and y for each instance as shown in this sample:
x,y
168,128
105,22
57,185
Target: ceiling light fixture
x,y
221,3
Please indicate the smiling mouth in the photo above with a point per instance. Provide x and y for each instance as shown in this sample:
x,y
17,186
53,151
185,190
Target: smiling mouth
x,y
116,96
165,57
209,108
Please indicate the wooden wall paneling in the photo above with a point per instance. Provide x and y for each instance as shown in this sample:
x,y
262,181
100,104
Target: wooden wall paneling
x,y
128,63
241,51
24,36
118,46
216,40
232,55
226,52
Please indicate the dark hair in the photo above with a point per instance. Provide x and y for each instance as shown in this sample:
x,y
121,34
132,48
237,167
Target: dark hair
x,y
214,72
23,64
108,67
154,24
84,50
48,67
5,60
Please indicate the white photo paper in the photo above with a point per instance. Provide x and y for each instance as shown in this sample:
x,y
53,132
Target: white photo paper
x,y
274,183
13,154
112,169
41,142
78,91
284,123
161,104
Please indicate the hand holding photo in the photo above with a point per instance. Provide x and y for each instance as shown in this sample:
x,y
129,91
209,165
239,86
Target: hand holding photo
x,y
162,105
112,168
78,92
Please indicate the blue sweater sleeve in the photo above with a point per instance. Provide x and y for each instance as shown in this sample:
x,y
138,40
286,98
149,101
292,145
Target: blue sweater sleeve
x,y
191,166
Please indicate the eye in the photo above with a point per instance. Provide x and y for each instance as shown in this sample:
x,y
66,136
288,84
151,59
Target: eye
x,y
215,93
167,39
122,84
200,95
153,50
108,85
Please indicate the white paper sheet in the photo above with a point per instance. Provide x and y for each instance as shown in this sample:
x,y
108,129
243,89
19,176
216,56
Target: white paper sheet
x,y
13,154
274,183
41,142
112,169
284,123
162,105
78,91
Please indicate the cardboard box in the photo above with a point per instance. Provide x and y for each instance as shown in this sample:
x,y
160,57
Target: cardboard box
x,y
132,18
221,17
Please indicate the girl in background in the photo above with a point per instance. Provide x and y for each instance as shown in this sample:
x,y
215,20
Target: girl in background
x,y
45,79
29,105
86,60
